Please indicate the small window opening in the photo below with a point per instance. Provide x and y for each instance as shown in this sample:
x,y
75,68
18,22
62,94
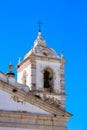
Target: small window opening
x,y
38,96
44,53
14,90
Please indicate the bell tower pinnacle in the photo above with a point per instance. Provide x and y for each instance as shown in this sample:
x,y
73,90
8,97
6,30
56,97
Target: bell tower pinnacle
x,y
42,70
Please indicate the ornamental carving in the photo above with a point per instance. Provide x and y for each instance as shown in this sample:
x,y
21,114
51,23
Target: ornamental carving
x,y
52,101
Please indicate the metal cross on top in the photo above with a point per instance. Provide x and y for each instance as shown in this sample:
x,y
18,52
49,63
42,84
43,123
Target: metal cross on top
x,y
39,25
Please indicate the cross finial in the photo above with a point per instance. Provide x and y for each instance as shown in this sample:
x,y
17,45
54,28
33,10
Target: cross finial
x,y
39,25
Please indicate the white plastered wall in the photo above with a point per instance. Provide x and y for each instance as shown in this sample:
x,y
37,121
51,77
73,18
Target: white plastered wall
x,y
20,73
17,106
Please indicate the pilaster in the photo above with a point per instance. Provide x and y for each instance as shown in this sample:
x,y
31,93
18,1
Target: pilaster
x,y
33,74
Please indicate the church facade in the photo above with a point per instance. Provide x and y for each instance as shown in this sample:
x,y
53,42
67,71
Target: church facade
x,y
37,100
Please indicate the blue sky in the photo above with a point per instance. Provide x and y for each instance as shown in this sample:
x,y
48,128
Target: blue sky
x,y
64,26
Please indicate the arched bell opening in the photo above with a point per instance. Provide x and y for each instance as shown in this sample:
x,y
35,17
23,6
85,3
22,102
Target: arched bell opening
x,y
48,79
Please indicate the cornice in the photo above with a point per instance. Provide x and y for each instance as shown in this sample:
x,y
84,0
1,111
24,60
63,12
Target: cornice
x,y
22,114
49,93
41,58
27,120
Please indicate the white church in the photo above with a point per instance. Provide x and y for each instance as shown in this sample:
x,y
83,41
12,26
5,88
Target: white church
x,y
37,100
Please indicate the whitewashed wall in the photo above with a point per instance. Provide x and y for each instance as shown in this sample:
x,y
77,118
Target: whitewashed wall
x,y
21,70
7,103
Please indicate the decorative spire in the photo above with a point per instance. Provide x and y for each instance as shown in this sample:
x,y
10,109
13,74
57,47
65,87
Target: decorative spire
x,y
10,67
10,73
62,55
62,58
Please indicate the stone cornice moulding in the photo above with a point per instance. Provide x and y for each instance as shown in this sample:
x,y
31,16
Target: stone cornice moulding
x,y
33,58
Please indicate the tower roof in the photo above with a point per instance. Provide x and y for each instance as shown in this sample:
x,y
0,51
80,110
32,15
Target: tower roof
x,y
40,41
40,48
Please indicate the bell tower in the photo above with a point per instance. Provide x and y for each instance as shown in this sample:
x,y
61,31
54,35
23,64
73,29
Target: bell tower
x,y
42,70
